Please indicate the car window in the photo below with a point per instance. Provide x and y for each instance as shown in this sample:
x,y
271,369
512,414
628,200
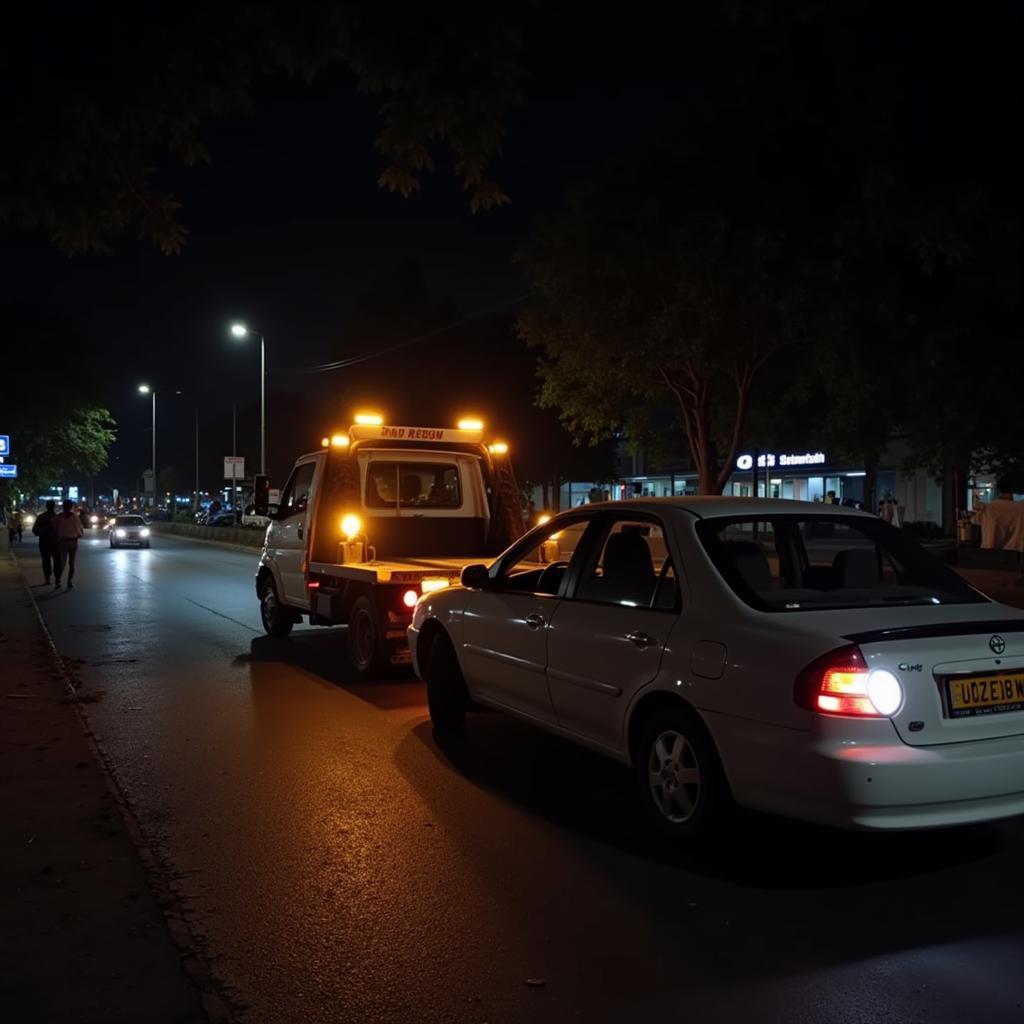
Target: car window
x,y
631,566
413,485
296,493
541,565
792,563
129,521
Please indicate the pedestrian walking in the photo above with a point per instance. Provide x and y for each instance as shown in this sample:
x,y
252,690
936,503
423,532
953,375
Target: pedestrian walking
x,y
45,528
14,526
69,529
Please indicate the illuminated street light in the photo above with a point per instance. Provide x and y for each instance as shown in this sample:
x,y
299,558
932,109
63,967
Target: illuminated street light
x,y
145,389
241,331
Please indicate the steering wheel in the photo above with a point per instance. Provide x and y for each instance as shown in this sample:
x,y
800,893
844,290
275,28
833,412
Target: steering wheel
x,y
548,576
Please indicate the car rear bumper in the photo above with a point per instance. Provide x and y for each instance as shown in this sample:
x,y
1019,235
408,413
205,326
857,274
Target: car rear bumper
x,y
843,774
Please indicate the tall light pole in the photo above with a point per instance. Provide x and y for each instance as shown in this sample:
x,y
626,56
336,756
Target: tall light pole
x,y
145,389
241,331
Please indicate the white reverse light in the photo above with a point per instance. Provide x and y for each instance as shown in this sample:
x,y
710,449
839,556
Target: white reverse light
x,y
885,692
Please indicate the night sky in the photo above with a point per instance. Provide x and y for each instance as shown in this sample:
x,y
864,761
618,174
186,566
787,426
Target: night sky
x,y
287,225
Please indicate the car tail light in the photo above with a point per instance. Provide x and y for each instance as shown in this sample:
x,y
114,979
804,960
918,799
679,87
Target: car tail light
x,y
839,683
410,597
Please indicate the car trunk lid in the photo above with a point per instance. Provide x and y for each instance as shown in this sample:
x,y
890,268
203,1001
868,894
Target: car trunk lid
x,y
962,680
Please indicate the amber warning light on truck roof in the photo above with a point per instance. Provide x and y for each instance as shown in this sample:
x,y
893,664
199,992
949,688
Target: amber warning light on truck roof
x,y
369,419
470,423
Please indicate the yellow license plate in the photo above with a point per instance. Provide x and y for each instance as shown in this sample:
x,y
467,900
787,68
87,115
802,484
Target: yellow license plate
x,y
985,695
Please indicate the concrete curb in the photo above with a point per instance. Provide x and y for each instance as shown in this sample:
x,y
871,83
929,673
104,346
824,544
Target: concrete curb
x,y
189,945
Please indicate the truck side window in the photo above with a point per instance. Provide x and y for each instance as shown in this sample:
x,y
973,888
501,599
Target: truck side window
x,y
296,493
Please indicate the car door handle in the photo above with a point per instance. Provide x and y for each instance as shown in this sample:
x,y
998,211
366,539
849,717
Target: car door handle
x,y
534,621
641,639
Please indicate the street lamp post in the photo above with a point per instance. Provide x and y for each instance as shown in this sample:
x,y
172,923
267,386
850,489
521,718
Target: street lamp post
x,y
241,331
145,389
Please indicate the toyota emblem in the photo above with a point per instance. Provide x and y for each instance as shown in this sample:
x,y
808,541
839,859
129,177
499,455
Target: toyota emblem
x,y
997,644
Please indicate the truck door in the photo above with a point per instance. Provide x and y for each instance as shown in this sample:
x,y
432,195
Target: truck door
x,y
289,534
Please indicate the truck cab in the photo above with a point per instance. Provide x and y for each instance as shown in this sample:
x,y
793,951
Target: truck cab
x,y
375,518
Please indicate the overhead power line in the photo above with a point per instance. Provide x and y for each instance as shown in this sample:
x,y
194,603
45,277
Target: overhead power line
x,y
341,364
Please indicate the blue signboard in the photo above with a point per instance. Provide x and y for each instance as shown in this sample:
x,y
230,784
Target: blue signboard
x,y
8,471
5,444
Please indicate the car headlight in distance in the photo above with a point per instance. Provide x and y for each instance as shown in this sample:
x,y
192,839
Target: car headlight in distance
x,y
120,533
144,532
94,520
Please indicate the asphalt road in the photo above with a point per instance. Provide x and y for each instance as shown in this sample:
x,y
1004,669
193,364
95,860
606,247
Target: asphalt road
x,y
341,865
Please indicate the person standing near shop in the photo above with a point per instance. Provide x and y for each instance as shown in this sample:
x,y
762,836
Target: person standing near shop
x,y
45,528
69,529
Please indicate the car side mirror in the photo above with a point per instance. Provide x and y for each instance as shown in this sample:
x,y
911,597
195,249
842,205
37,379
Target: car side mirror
x,y
476,577
261,494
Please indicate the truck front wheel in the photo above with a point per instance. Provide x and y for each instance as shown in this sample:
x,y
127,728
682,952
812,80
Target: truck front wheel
x,y
366,644
277,620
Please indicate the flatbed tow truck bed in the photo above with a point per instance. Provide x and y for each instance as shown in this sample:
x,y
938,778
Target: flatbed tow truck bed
x,y
408,570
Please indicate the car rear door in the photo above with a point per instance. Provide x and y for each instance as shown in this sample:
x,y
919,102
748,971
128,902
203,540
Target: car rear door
x,y
607,637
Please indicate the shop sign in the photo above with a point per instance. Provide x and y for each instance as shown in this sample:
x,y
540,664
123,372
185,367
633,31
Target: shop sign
x,y
772,460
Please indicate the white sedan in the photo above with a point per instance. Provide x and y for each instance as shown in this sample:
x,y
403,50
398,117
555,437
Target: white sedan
x,y
803,659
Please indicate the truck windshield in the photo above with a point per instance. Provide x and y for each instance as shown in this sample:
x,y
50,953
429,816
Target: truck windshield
x,y
413,485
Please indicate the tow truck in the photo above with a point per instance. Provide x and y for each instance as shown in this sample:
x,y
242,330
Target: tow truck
x,y
378,516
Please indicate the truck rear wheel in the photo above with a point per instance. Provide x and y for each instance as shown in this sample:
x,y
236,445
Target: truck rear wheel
x,y
367,646
277,620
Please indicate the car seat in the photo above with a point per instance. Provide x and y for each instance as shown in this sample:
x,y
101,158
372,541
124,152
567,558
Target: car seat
x,y
749,560
856,569
628,575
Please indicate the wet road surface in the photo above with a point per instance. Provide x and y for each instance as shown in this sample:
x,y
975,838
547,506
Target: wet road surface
x,y
338,864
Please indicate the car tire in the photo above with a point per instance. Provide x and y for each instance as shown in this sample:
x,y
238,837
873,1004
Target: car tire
x,y
277,620
146,545
447,696
367,648
113,545
680,780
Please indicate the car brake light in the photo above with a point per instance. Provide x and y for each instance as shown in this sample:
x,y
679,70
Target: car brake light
x,y
409,598
839,683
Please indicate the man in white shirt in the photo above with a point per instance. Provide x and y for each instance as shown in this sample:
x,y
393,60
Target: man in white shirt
x,y
68,529
1002,523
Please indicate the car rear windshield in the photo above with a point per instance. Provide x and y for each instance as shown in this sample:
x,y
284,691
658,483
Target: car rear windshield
x,y
413,485
791,563
130,521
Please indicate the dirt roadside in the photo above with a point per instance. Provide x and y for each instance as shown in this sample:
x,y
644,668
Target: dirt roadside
x,y
83,938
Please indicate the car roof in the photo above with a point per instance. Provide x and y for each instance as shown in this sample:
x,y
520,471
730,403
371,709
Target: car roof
x,y
707,506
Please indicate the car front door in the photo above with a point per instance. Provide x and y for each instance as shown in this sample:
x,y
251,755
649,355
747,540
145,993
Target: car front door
x,y
289,535
505,628
608,636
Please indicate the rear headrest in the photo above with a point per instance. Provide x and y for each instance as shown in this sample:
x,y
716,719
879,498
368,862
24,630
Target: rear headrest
x,y
750,562
856,568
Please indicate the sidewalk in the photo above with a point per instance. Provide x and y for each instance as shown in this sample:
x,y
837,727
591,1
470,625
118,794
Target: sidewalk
x,y
82,938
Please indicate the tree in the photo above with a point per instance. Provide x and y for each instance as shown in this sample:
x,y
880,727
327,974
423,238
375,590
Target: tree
x,y
65,433
664,282
100,99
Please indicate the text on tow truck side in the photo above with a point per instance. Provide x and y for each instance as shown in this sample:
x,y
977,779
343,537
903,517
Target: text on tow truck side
x,y
375,518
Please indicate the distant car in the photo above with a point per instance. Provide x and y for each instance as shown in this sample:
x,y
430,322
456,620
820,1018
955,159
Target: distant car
x,y
798,658
250,519
126,530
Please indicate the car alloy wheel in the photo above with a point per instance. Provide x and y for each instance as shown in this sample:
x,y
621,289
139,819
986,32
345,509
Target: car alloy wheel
x,y
680,780
674,776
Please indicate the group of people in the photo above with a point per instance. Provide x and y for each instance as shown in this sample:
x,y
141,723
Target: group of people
x,y
58,534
